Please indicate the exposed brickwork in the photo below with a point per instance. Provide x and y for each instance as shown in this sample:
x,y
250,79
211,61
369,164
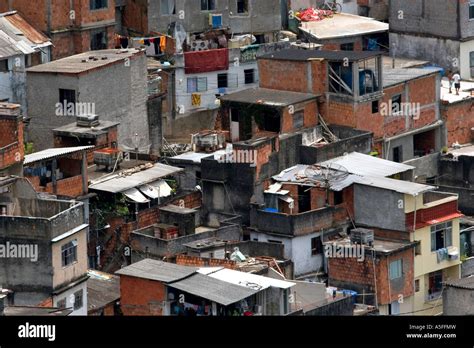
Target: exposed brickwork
x,y
194,261
68,30
351,271
141,297
459,120
71,187
12,149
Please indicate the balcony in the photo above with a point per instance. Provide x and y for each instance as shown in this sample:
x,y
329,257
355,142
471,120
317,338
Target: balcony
x,y
298,224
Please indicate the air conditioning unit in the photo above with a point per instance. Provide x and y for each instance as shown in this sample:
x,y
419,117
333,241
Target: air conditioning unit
x,y
87,121
200,45
215,20
362,236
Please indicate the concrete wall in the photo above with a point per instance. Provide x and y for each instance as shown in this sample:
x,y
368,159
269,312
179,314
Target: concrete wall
x,y
359,141
433,17
467,267
146,246
437,50
458,301
263,16
118,92
425,167
340,307
378,208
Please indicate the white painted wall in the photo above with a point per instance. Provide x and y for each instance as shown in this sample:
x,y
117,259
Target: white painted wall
x,y
65,295
464,60
298,249
208,97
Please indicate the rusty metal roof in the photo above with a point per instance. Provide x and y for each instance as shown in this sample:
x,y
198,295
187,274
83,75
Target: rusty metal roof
x,y
35,36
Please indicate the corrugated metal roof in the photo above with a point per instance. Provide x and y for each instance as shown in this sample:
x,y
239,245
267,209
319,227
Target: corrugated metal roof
x,y
52,153
157,270
401,186
102,289
216,290
463,283
19,37
247,280
121,182
33,35
360,164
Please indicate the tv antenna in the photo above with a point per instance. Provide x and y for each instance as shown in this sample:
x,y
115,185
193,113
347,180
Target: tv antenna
x,y
326,176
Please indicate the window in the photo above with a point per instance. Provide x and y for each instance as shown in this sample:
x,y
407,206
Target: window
x,y
375,106
197,84
227,80
249,76
208,5
471,61
417,285
222,81
316,246
435,285
396,104
347,46
167,7
242,6
67,96
395,269
338,197
98,40
441,236
418,249
61,303
4,65
78,299
471,9
69,253
98,4
398,154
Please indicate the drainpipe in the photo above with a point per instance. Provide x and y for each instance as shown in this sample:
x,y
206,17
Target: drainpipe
x,y
48,17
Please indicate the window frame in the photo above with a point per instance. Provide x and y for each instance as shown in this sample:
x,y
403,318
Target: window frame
x,y
399,269
168,13
69,253
247,73
246,7
93,5
196,84
78,294
208,5
446,228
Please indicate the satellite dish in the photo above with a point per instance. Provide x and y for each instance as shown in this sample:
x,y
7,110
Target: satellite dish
x,y
326,176
136,145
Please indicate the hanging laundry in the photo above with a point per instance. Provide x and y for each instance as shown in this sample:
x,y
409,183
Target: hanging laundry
x,y
146,42
163,44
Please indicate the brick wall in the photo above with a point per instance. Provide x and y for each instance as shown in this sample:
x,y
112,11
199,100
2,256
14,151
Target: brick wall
x,y
141,297
194,261
135,16
11,142
357,275
459,118
71,187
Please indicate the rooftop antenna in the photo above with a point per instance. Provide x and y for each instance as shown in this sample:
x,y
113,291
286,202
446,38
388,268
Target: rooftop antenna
x,y
326,176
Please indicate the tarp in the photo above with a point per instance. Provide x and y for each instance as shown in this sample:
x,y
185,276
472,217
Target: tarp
x,y
206,61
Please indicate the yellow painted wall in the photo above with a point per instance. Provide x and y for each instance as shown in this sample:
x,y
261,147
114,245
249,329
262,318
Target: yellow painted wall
x,y
63,275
